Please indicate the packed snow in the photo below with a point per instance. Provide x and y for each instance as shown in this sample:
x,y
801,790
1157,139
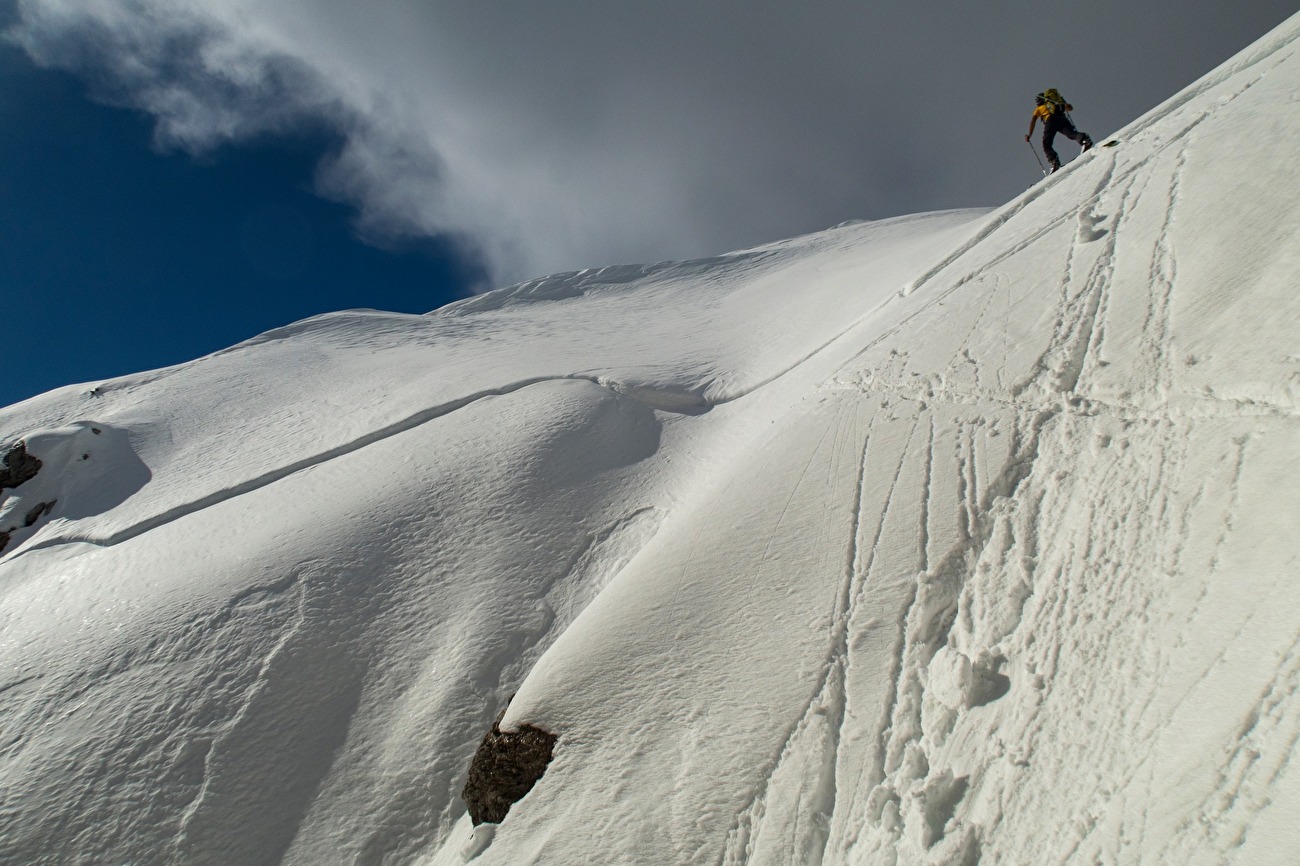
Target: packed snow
x,y
958,538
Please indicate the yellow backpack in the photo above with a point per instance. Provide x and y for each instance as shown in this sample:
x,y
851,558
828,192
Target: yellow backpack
x,y
1053,97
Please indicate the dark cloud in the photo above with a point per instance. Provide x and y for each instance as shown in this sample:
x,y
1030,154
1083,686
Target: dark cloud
x,y
583,133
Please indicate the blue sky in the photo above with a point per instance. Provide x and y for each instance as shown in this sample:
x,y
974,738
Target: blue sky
x,y
180,175
115,258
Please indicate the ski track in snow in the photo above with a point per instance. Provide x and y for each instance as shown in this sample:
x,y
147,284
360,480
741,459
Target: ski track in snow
x,y
1078,333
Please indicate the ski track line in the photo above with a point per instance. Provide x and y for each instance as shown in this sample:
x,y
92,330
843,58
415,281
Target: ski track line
x,y
853,588
879,772
1101,280
1238,782
840,661
1097,333
1009,212
1074,310
962,349
897,672
1041,368
920,643
1233,507
928,482
968,479
1164,278
1084,311
746,824
1053,365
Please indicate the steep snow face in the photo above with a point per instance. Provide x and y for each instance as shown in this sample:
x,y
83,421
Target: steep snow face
x,y
1022,588
948,539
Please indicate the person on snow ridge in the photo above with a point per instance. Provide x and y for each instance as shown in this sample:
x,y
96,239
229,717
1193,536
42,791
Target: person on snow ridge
x,y
1049,106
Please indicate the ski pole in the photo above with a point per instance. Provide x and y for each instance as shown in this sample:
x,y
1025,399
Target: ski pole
x,y
1041,167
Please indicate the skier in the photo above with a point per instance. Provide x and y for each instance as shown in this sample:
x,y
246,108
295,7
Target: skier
x,y
1052,109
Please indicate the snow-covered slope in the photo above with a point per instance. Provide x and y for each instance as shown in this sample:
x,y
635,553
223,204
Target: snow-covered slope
x,y
956,538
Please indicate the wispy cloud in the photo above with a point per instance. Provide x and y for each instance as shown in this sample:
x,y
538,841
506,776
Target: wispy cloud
x,y
214,74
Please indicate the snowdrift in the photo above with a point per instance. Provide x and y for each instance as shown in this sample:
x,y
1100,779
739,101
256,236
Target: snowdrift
x,y
956,538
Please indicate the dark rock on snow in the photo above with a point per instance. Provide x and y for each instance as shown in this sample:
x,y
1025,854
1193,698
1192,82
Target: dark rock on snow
x,y
504,769
41,509
19,466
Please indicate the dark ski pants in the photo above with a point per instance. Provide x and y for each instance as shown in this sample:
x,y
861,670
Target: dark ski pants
x,y
1059,123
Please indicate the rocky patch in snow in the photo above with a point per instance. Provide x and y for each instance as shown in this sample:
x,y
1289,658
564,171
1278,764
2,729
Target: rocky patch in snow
x,y
87,467
504,769
18,466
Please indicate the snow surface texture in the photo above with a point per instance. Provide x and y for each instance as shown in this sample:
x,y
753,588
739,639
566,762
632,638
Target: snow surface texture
x,y
951,539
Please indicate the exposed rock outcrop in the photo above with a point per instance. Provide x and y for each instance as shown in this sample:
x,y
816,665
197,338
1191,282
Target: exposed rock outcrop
x,y
18,466
504,769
